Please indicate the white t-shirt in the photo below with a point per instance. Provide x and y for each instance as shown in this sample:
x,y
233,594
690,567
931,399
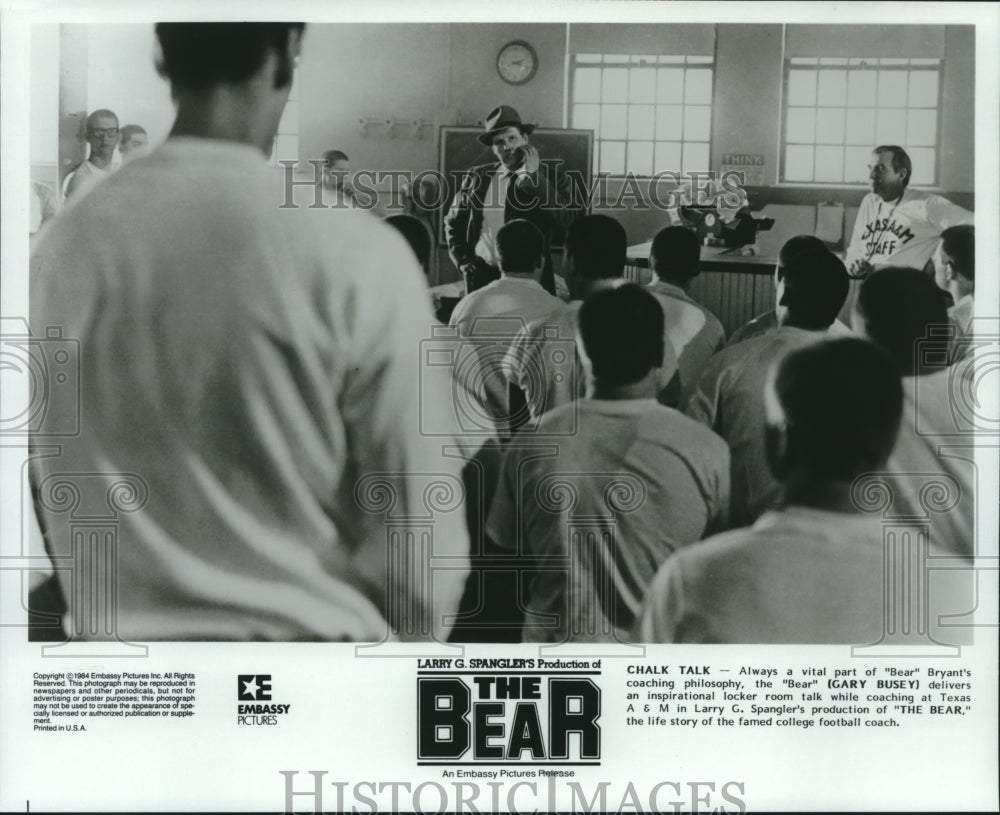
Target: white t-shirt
x,y
488,319
932,467
729,399
545,362
596,500
691,329
798,576
903,232
253,374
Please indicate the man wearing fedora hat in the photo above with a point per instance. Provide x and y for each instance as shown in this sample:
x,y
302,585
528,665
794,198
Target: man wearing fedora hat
x,y
490,195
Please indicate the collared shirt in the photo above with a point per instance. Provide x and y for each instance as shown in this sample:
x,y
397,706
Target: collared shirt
x,y
493,211
797,576
729,398
596,499
245,371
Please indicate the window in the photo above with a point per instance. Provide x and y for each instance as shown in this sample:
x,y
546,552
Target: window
x,y
649,114
837,109
286,142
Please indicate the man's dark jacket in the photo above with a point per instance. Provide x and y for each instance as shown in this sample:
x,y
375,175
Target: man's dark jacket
x,y
549,201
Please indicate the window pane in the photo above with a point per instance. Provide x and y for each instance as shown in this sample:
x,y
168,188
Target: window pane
x,y
698,86
640,157
587,85
861,88
829,164
641,121
923,89
642,85
614,87
832,88
804,60
615,59
588,57
671,60
891,89
669,121
695,157
613,121
670,85
587,117
924,161
697,123
921,127
833,61
700,60
861,127
801,125
798,162
893,61
856,164
801,87
613,157
890,127
830,126
668,157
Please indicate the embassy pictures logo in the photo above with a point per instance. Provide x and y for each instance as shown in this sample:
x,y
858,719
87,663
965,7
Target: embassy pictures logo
x,y
257,688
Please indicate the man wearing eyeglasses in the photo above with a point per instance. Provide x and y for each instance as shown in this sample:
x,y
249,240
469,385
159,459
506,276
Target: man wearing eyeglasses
x,y
102,136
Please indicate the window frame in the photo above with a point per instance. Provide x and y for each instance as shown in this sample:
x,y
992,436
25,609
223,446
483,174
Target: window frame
x,y
654,62
904,64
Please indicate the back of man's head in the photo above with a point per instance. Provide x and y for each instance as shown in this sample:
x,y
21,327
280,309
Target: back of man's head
x,y
896,308
520,244
814,283
674,255
959,243
839,405
416,235
331,156
621,330
198,56
596,244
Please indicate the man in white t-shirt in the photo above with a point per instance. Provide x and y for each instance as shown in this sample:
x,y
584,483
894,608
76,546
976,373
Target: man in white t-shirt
x,y
544,361
102,136
897,225
490,317
729,397
604,490
904,312
693,331
819,570
955,272
250,389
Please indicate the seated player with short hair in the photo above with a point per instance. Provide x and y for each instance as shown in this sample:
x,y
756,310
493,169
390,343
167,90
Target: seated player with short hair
x,y
799,251
955,272
812,287
608,486
904,312
694,332
811,572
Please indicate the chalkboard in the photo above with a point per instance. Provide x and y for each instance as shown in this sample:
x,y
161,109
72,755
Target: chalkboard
x,y
459,149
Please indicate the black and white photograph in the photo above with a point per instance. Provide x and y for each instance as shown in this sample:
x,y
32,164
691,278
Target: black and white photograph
x,y
437,407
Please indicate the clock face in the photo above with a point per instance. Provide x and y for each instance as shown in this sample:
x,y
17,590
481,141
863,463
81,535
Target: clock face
x,y
517,62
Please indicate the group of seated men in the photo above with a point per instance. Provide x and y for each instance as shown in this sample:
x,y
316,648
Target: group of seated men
x,y
653,483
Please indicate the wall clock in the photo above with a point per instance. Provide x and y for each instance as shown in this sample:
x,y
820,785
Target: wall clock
x,y
517,62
